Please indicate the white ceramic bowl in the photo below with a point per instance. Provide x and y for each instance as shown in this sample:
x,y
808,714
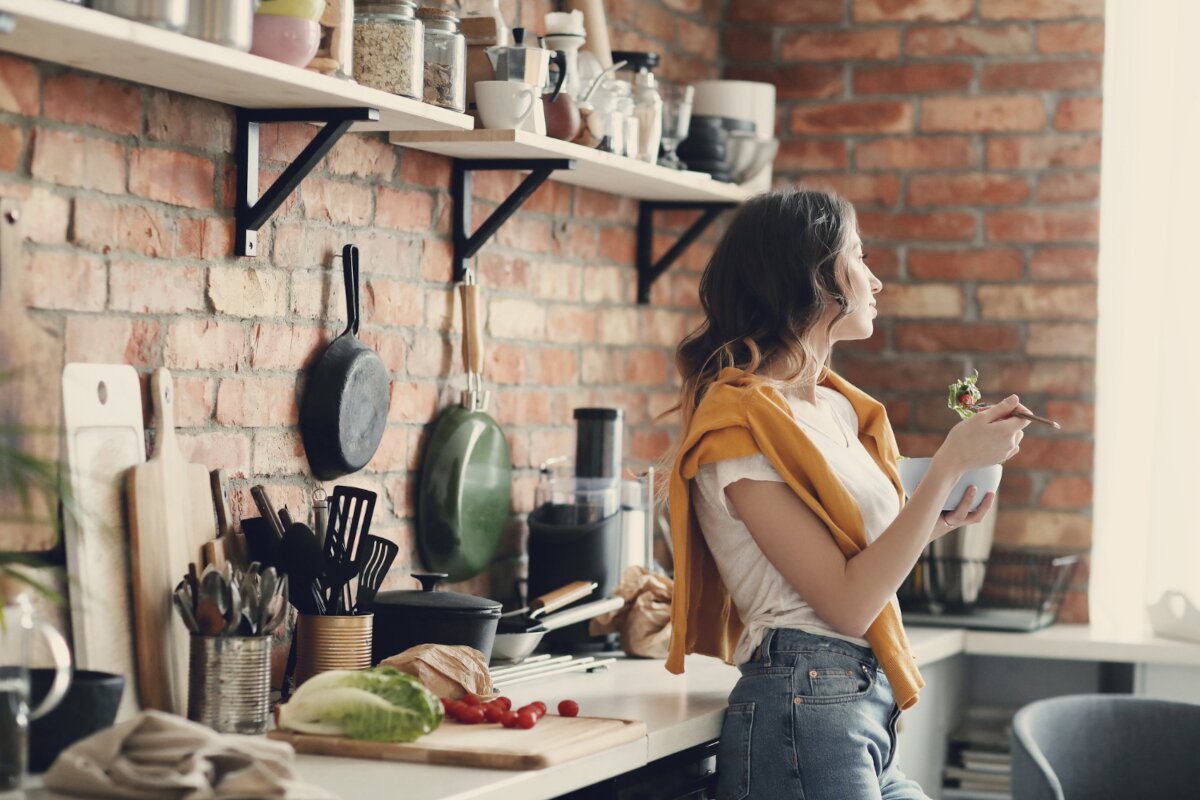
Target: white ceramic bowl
x,y
987,479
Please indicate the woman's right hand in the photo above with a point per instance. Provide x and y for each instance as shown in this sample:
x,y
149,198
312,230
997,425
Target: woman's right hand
x,y
989,437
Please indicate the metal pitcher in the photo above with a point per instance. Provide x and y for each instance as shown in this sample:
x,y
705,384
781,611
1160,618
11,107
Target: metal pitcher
x,y
525,64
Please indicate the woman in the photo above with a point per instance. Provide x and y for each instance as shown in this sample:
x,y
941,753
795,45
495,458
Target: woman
x,y
790,528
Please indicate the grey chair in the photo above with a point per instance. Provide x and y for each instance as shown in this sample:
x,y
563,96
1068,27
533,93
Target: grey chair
x,y
1106,747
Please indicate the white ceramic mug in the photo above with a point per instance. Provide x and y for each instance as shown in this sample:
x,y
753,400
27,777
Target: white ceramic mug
x,y
504,104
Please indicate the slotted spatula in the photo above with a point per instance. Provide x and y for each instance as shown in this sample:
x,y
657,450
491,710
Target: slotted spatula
x,y
375,556
350,512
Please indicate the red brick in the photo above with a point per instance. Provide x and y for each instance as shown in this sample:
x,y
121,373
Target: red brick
x,y
571,324
105,227
1043,226
279,453
861,190
912,78
966,265
920,152
600,365
12,146
195,400
618,244
645,368
618,326
85,100
1068,187
1067,492
336,202
1058,453
20,86
869,117
881,373
650,446
918,445
982,114
911,10
968,40
804,155
951,337
1043,75
793,81
1043,376
504,363
529,407
938,226
150,287
1040,9
1037,302
1061,339
285,346
205,344
388,302
112,340
413,401
1064,263
604,207
786,13
853,45
68,281
425,169
183,121
72,159
45,215
554,366
257,402
1038,152
172,177
1071,37
661,327
604,285
1017,489
1075,417
392,347
919,301
697,39
248,292
209,238
366,156
1079,114
966,190
884,261
1042,528
750,44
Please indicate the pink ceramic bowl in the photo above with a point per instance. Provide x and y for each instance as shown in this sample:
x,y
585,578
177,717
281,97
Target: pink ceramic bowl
x,y
288,39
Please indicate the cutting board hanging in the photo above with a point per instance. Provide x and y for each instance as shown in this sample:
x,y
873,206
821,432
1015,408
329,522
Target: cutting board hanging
x,y
102,417
31,355
171,517
552,741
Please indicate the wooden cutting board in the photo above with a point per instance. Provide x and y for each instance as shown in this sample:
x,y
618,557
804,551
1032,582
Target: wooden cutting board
x,y
553,740
171,517
102,416
31,349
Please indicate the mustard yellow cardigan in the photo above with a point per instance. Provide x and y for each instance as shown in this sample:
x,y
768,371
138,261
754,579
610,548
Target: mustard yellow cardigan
x,y
741,415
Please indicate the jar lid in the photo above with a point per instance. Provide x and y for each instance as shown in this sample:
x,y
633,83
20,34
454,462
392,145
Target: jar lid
x,y
402,7
437,13
427,598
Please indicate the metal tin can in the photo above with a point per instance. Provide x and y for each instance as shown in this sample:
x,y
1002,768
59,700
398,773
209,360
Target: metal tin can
x,y
229,683
332,642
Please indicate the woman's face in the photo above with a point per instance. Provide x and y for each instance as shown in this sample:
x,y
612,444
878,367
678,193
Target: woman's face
x,y
860,323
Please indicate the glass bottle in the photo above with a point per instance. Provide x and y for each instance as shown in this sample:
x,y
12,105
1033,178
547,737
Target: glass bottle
x,y
488,8
445,59
389,47
648,106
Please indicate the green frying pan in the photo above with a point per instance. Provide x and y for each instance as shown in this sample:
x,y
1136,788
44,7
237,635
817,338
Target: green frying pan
x,y
465,494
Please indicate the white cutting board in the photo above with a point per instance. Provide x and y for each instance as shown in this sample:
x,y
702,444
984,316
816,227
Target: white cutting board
x,y
171,516
102,416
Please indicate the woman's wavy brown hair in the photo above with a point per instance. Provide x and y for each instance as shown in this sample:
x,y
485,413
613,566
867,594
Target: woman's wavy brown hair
x,y
771,279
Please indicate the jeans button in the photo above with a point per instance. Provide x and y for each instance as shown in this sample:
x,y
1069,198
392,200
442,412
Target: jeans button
x,y
812,673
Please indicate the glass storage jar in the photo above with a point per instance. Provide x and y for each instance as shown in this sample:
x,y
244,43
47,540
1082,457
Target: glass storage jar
x,y
389,47
445,59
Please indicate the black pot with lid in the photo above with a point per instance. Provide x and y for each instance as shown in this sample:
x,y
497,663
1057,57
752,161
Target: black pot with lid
x,y
409,617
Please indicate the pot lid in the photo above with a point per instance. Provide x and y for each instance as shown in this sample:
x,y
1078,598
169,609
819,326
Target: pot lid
x,y
427,597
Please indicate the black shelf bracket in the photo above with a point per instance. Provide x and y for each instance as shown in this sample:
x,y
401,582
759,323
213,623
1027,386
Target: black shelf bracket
x,y
250,211
648,269
467,244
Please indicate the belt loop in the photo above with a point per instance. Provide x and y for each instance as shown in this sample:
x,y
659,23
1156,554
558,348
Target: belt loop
x,y
765,646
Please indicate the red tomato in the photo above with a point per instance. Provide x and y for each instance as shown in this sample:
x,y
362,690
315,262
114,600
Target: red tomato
x,y
454,708
966,400
445,703
471,715
493,712
504,701
568,708
472,699
509,720
526,718
540,706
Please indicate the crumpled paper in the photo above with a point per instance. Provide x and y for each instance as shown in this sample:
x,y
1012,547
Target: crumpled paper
x,y
644,622
157,755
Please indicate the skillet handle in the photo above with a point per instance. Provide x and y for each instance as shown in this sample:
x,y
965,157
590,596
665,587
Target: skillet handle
x,y
467,297
471,314
350,275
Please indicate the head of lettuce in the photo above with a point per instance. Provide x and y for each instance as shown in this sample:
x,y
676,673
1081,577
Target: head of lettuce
x,y
381,704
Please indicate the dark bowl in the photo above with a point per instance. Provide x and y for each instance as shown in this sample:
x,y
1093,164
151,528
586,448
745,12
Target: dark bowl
x,y
90,705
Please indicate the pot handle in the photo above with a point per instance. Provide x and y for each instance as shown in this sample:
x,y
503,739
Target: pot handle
x,y
350,275
560,60
429,580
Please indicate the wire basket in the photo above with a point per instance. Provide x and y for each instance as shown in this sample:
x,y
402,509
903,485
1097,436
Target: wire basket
x,y
1033,583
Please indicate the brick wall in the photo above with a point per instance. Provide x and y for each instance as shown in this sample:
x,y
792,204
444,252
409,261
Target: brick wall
x,y
966,132
127,194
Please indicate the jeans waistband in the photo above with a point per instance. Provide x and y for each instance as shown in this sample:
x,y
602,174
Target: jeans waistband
x,y
777,641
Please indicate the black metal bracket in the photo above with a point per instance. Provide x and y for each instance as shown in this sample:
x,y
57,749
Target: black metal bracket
x,y
649,270
467,244
251,212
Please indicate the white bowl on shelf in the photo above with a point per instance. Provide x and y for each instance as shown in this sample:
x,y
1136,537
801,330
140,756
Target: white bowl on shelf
x,y
987,479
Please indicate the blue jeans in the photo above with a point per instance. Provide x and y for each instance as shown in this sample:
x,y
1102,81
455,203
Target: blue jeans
x,y
811,718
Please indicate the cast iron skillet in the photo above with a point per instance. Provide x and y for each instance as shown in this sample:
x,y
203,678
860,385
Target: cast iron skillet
x,y
345,405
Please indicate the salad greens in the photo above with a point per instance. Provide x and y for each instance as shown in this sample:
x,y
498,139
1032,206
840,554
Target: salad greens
x,y
382,704
964,395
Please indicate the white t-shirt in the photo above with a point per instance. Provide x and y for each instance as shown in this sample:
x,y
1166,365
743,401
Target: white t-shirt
x,y
763,598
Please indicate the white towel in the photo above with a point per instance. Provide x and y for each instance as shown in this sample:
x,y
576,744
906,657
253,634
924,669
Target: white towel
x,y
157,755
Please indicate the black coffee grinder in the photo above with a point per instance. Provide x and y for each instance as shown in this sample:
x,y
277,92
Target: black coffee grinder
x,y
575,528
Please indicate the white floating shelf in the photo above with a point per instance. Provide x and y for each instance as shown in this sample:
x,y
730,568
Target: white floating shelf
x,y
594,169
108,45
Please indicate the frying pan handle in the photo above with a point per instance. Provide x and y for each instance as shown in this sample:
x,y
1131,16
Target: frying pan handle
x,y
472,337
350,275
558,598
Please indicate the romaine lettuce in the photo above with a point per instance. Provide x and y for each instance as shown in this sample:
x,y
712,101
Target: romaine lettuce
x,y
381,704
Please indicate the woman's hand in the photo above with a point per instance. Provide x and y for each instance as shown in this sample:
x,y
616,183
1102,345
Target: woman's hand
x,y
990,437
963,515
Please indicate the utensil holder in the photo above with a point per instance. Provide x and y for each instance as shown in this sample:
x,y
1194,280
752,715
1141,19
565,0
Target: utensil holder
x,y
332,642
229,683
